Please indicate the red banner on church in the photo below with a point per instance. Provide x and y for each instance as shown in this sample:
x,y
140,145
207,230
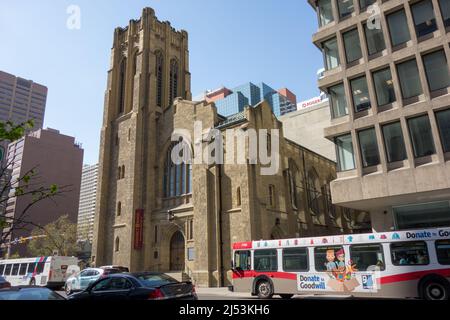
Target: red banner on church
x,y
138,229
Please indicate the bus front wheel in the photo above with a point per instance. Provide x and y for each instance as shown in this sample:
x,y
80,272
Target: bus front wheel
x,y
435,289
264,289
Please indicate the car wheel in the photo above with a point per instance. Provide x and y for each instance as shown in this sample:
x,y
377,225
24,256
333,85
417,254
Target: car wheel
x,y
68,289
435,289
286,296
264,289
32,282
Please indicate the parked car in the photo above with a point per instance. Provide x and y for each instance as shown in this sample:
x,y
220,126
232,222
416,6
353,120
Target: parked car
x,y
122,269
81,280
137,286
3,283
29,293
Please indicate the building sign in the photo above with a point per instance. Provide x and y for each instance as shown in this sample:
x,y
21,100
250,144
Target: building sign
x,y
138,229
312,102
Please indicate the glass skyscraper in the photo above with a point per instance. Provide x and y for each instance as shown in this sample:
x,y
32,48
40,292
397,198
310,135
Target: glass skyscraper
x,y
250,94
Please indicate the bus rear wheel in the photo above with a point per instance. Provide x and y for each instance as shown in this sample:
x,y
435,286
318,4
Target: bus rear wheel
x,y
264,289
435,289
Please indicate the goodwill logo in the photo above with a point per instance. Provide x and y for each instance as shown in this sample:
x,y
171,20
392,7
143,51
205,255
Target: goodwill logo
x,y
311,282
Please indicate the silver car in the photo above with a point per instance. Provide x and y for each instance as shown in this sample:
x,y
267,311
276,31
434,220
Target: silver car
x,y
81,280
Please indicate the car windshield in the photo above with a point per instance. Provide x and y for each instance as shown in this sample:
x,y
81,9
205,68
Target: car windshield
x,y
30,294
155,280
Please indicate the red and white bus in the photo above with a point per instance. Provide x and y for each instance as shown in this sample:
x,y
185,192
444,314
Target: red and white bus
x,y
402,264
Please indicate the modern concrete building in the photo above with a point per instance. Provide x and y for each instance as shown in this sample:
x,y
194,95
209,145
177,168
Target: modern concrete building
x,y
56,159
86,207
154,214
387,75
306,127
21,100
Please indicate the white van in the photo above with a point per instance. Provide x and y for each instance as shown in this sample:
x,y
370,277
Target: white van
x,y
50,271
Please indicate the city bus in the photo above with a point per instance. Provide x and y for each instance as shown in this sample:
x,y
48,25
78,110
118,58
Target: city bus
x,y
402,264
51,271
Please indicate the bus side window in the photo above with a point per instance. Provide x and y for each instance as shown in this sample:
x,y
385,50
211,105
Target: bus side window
x,y
15,269
31,267
265,260
2,268
8,268
327,258
442,252
367,257
295,259
242,260
40,267
409,253
23,269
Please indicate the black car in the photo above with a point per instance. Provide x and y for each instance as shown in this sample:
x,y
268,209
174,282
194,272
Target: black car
x,y
29,293
137,286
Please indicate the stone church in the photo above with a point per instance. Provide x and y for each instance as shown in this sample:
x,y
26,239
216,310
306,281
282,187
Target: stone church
x,y
153,214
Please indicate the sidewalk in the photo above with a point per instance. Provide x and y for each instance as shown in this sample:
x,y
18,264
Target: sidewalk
x,y
223,292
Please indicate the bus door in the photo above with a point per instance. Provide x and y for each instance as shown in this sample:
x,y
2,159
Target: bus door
x,y
242,263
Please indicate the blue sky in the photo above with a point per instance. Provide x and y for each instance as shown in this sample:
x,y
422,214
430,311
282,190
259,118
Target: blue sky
x,y
230,42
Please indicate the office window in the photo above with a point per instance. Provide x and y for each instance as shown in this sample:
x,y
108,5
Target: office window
x,y
409,79
363,4
295,259
331,52
325,12
445,10
369,147
360,92
398,28
352,45
393,141
424,20
409,253
422,215
384,87
443,121
436,69
345,8
345,154
421,136
338,101
375,39
265,260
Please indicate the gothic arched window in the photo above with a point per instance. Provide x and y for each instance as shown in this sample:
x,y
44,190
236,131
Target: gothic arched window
x,y
173,80
122,78
313,192
159,77
292,172
177,176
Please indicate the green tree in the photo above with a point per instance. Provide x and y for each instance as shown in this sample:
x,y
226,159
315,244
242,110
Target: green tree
x,y
27,186
60,236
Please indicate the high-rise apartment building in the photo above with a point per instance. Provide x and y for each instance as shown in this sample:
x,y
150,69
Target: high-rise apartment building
x,y
387,75
249,94
21,100
56,159
86,208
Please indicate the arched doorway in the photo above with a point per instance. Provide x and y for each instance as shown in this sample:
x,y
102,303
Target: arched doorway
x,y
177,252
